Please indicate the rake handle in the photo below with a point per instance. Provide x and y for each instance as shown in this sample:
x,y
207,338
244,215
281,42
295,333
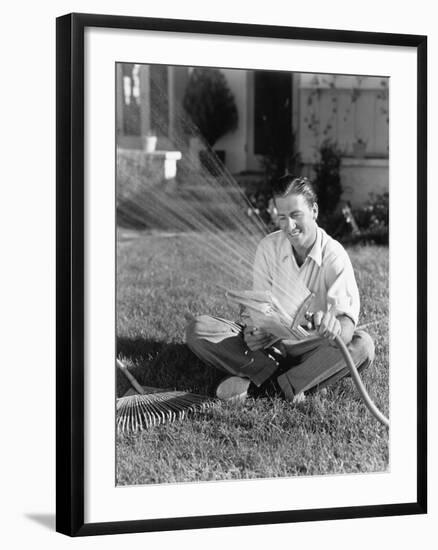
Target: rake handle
x,y
130,377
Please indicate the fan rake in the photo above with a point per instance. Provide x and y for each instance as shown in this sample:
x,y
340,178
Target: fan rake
x,y
153,406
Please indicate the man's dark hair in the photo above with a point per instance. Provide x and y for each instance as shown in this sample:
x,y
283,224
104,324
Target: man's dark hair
x,y
291,185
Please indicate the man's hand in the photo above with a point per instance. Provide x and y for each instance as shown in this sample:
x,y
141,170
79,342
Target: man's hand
x,y
256,338
326,324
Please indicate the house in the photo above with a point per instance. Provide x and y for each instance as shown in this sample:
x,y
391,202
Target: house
x,y
350,110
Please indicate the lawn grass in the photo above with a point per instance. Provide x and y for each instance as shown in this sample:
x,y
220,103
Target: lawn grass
x,y
161,283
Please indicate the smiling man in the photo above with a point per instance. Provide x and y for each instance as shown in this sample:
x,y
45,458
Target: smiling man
x,y
300,250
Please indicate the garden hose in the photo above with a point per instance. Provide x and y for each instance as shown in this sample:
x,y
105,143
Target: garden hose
x,y
359,384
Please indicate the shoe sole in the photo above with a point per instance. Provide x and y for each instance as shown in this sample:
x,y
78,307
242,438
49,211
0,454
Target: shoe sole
x,y
233,388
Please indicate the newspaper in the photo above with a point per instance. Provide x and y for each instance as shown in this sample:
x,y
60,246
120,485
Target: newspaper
x,y
266,313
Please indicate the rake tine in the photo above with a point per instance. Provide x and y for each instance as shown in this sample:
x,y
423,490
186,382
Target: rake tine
x,y
153,407
137,412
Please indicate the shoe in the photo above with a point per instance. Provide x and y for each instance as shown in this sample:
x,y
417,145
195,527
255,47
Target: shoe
x,y
299,398
233,388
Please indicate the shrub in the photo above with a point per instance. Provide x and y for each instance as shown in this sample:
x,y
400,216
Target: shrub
x,y
372,222
375,214
258,193
210,104
373,219
327,181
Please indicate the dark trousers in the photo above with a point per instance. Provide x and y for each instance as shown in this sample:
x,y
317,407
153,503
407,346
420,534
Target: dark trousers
x,y
220,344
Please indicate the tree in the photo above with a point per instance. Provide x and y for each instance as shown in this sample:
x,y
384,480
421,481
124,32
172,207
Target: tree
x,y
210,104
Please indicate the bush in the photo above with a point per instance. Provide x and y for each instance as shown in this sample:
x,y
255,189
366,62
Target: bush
x,y
372,222
258,193
335,224
327,181
210,104
375,214
373,219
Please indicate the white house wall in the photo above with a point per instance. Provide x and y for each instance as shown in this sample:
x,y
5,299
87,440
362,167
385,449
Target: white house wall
x,y
360,177
343,109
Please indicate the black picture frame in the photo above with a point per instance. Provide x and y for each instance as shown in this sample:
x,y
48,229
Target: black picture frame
x,y
70,273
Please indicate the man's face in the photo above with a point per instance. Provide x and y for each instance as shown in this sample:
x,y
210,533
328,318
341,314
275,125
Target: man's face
x,y
297,219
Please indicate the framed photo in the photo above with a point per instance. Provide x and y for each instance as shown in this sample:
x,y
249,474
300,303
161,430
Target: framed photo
x,y
173,141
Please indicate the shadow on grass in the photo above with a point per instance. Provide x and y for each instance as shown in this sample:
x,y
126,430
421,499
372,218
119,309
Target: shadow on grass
x,y
164,365
174,366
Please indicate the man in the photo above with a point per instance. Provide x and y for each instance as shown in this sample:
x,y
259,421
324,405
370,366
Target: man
x,y
300,249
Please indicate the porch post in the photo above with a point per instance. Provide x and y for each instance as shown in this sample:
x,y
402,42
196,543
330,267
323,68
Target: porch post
x,y
145,113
